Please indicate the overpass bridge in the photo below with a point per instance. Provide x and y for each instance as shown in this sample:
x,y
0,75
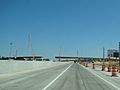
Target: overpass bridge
x,y
77,58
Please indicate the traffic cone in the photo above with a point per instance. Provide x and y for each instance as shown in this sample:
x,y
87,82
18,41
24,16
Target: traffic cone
x,y
114,71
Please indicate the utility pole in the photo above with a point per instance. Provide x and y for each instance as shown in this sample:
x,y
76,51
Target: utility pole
x,y
119,57
103,65
10,50
59,54
103,55
77,55
16,53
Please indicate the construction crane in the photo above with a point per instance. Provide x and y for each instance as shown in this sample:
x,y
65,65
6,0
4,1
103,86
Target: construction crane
x,y
31,47
59,52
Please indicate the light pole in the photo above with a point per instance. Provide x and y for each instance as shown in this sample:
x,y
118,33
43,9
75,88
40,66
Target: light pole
x,y
16,53
103,55
77,56
59,54
10,50
119,57
103,65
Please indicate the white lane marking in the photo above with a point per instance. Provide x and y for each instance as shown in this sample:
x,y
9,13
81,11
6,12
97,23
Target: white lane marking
x,y
102,79
56,78
19,79
81,81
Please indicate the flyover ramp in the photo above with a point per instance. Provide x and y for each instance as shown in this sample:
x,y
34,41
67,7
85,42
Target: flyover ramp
x,y
11,66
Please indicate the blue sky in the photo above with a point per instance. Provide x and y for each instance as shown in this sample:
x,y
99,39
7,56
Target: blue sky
x,y
83,25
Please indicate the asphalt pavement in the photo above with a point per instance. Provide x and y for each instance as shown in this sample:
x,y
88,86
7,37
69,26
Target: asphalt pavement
x,y
71,76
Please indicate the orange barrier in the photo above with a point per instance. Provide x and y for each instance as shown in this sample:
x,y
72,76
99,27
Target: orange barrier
x,y
86,64
80,62
114,71
93,66
117,68
110,69
103,67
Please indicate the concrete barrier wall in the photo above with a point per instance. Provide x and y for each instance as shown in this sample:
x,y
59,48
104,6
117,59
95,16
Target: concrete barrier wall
x,y
12,66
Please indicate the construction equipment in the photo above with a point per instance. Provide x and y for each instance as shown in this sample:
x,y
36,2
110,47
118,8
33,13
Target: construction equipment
x,y
31,47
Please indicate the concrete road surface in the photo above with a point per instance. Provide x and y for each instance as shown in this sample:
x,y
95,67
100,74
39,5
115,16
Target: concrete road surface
x,y
69,76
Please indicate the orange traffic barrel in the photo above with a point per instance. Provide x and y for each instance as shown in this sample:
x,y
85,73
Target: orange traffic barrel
x,y
110,69
86,64
114,71
117,68
93,66
80,62
103,67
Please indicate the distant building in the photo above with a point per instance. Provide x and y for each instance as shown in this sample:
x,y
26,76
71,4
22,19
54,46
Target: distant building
x,y
112,53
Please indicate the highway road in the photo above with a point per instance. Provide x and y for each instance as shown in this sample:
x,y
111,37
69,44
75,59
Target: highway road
x,y
71,76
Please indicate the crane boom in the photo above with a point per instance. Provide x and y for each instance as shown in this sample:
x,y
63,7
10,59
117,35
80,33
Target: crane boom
x,y
31,47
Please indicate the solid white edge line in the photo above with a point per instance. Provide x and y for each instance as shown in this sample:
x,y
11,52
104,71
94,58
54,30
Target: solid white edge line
x,y
102,79
56,78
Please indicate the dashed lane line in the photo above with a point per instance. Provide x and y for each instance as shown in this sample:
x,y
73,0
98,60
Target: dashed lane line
x,y
47,86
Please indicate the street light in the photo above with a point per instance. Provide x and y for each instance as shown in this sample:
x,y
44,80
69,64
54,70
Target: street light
x,y
10,50
16,53
119,57
103,54
103,65
77,56
59,52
